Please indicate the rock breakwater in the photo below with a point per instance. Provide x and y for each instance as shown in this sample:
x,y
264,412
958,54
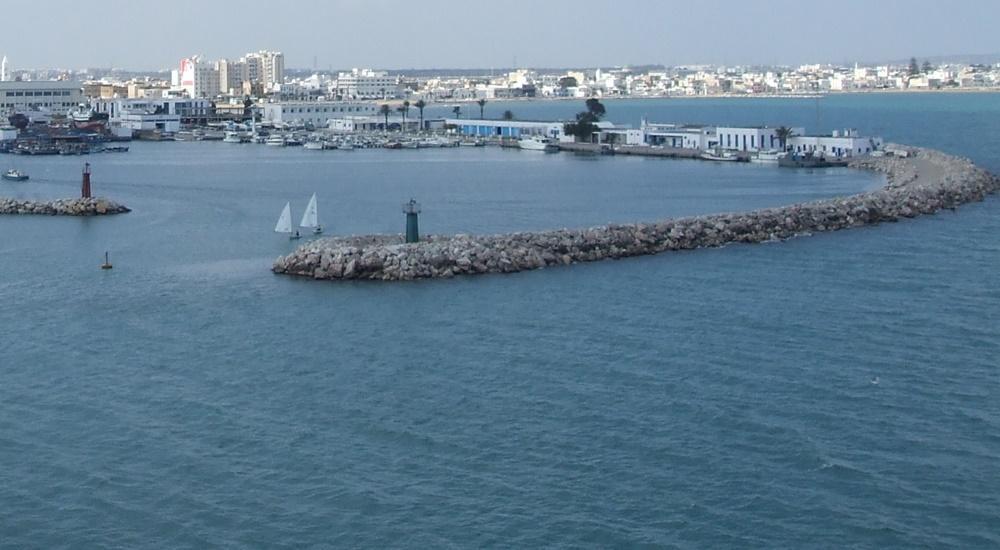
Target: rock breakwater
x,y
63,207
924,182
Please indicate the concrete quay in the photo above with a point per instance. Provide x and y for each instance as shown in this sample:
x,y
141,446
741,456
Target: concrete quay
x,y
923,183
63,207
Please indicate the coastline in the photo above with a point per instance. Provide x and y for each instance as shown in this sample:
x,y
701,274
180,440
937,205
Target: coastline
x,y
924,182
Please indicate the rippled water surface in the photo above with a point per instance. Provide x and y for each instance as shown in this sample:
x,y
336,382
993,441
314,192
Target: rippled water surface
x,y
712,398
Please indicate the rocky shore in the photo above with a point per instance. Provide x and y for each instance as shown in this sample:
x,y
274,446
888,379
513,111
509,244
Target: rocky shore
x,y
63,207
924,182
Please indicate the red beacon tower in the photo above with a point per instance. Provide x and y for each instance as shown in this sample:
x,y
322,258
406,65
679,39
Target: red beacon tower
x,y
85,186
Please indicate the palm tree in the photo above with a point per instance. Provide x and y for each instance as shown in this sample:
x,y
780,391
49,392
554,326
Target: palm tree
x,y
420,104
482,105
384,110
401,110
508,115
783,134
406,111
457,111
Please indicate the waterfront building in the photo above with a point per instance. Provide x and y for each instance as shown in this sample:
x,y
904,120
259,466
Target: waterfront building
x,y
316,113
750,138
367,84
104,90
842,144
505,128
371,123
55,97
683,136
182,109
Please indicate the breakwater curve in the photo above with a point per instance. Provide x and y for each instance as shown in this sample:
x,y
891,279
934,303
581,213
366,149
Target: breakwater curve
x,y
922,182
63,207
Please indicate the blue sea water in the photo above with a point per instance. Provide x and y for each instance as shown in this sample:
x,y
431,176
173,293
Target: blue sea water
x,y
189,398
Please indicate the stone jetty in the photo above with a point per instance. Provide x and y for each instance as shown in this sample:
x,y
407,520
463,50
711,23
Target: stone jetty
x,y
63,207
922,182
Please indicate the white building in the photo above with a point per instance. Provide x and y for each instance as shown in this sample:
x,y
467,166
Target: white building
x,y
264,67
367,84
186,108
680,136
750,139
316,113
198,78
57,97
842,144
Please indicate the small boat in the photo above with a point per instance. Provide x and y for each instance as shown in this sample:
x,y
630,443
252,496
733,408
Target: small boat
x,y
808,160
232,137
310,218
314,145
537,143
15,175
284,224
720,155
116,149
346,146
276,140
107,261
768,157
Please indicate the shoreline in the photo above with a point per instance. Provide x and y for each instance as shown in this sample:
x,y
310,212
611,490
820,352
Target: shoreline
x,y
924,182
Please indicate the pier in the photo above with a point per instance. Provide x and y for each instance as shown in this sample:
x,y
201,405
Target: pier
x,y
923,182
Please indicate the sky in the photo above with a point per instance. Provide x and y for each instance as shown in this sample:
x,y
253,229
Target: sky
x,y
391,34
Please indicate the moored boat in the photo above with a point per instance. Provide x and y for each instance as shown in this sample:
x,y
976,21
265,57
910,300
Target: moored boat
x,y
537,143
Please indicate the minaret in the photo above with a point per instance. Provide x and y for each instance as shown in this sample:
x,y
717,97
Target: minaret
x,y
4,70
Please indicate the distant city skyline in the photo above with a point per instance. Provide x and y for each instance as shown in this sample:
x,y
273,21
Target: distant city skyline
x,y
554,33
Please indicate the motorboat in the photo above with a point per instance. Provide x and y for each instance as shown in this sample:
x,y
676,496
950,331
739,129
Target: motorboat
x,y
276,140
15,175
769,157
537,143
314,145
720,155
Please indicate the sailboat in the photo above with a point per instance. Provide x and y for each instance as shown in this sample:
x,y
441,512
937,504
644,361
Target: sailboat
x,y
310,218
284,224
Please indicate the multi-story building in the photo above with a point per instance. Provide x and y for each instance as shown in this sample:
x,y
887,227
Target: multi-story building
x,y
264,67
316,113
198,78
130,112
367,84
230,76
45,96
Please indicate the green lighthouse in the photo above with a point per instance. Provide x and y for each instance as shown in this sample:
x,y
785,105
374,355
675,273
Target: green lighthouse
x,y
411,209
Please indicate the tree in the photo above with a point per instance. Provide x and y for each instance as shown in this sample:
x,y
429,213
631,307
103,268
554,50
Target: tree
x,y
927,66
406,111
402,110
583,128
568,82
508,115
420,104
914,68
482,105
586,121
783,134
384,110
595,108
457,111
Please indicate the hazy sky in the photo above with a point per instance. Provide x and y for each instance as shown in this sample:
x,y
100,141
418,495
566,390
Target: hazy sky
x,y
142,34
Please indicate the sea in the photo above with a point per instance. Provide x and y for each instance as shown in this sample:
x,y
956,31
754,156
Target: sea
x,y
837,390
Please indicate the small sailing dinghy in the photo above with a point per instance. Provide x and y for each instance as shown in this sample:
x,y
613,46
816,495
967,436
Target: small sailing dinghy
x,y
284,224
310,218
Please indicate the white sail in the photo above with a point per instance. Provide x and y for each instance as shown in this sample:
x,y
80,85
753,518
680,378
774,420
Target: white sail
x,y
310,218
285,220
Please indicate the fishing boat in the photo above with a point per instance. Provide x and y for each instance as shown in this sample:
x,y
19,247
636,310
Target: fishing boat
x,y
310,218
284,224
537,143
769,157
720,155
15,175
